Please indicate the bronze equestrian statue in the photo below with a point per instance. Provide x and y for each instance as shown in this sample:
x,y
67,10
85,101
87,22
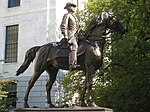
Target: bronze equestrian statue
x,y
54,56
69,28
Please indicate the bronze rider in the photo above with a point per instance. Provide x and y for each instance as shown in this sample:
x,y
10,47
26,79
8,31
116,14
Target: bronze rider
x,y
69,28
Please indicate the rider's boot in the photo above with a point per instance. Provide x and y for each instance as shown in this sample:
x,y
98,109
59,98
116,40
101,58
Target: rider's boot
x,y
73,60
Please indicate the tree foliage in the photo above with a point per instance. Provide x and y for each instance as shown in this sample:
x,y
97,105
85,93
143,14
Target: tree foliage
x,y
4,100
123,83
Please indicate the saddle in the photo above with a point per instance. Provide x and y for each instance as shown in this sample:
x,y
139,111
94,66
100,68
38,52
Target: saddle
x,y
61,49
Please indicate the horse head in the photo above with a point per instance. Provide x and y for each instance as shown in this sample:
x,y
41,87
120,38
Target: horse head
x,y
110,21
98,26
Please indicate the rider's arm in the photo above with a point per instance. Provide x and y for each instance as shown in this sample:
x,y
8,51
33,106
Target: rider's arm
x,y
64,25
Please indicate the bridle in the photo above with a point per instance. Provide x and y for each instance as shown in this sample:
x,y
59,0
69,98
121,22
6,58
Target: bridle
x,y
102,20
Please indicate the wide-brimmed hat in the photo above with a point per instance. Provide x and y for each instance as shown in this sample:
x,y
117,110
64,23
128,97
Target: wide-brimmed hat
x,y
69,4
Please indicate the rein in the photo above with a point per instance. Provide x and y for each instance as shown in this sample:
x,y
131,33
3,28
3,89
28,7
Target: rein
x,y
100,38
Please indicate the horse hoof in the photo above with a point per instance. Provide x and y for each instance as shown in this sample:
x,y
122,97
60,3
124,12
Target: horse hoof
x,y
92,104
64,106
26,106
83,104
52,106
35,107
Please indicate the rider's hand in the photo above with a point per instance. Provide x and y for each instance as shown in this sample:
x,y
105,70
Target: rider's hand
x,y
66,37
65,40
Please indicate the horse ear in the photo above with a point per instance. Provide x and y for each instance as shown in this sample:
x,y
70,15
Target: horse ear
x,y
110,11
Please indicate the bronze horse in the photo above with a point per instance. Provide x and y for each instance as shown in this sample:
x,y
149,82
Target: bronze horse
x,y
54,56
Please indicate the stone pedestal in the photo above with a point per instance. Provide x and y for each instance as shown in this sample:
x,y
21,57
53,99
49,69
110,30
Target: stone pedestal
x,y
75,109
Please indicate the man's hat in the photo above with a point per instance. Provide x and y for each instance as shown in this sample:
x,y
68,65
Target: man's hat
x,y
69,4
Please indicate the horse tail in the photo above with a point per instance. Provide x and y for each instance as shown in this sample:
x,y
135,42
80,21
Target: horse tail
x,y
29,57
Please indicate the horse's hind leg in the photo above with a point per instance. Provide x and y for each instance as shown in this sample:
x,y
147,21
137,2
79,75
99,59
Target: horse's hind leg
x,y
50,82
30,85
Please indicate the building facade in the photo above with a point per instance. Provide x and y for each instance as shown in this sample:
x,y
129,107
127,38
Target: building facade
x,y
24,24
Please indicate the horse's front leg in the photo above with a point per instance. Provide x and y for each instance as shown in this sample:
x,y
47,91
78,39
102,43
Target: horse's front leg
x,y
89,75
82,96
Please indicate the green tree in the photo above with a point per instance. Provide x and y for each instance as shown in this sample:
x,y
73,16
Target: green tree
x,y
122,84
5,102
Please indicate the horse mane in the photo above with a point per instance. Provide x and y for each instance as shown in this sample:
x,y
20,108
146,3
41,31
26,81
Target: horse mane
x,y
98,20
92,25
94,22
83,34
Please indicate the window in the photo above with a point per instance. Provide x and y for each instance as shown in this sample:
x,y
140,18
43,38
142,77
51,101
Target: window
x,y
13,3
11,48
